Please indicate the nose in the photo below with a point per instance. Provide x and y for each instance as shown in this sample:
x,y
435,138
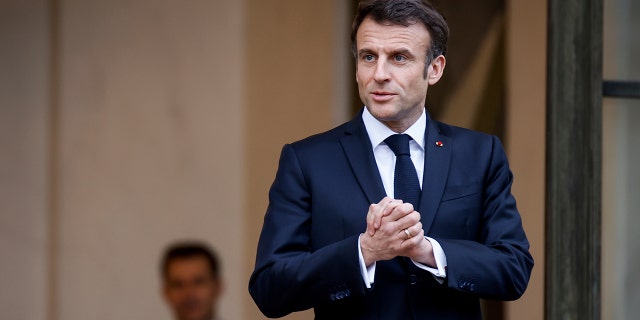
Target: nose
x,y
381,73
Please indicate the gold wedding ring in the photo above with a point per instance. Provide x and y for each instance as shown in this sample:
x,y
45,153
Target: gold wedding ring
x,y
408,233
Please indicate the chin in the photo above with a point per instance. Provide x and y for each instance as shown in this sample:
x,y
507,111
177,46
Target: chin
x,y
384,112
200,315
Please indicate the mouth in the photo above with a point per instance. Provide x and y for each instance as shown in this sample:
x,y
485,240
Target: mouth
x,y
382,96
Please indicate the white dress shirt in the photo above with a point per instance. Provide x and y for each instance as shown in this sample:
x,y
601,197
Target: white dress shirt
x,y
386,161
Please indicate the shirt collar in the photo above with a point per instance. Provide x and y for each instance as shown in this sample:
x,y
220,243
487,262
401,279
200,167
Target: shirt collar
x,y
377,131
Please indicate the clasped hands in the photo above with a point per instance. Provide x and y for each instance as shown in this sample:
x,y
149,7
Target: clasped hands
x,y
386,238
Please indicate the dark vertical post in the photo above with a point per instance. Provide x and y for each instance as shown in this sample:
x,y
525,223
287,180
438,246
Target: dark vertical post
x,y
574,129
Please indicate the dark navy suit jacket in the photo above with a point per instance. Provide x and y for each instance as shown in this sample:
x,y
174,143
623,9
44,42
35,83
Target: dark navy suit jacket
x,y
308,253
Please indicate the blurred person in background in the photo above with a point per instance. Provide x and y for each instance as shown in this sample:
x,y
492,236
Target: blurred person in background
x,y
191,281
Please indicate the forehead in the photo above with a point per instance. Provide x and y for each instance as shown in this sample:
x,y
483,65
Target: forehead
x,y
373,35
187,266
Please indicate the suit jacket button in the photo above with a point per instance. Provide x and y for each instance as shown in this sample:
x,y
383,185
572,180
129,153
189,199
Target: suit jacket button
x,y
413,279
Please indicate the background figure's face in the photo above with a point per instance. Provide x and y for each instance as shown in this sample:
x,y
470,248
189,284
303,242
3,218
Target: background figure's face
x,y
190,289
391,71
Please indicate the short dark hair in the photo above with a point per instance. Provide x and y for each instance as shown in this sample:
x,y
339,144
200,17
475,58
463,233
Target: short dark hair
x,y
190,249
405,13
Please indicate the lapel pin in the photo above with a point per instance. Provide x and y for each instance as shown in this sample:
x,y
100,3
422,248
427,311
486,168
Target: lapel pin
x,y
439,144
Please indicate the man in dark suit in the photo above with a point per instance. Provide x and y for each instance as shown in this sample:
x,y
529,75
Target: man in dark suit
x,y
392,215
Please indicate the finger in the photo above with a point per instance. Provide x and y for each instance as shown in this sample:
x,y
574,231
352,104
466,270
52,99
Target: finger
x,y
370,215
417,239
374,212
375,207
384,204
393,203
388,208
405,234
385,207
414,247
416,230
400,211
409,220
410,232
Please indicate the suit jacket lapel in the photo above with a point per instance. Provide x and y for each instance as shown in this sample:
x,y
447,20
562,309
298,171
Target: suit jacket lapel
x,y
357,147
436,168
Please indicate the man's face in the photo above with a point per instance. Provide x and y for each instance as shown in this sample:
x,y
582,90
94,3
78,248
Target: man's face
x,y
391,71
190,288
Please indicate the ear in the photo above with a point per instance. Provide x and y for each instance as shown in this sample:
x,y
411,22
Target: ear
x,y
219,289
436,69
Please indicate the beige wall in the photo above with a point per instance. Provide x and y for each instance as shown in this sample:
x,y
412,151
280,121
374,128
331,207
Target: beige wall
x,y
132,124
525,138
150,147
295,87
135,140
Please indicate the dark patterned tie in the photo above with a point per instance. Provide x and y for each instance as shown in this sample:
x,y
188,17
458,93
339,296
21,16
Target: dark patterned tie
x,y
405,182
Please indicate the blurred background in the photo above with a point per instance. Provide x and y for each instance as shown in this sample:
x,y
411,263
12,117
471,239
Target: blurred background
x,y
128,124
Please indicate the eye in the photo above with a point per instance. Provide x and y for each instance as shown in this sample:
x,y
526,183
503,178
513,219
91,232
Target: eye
x,y
399,58
368,57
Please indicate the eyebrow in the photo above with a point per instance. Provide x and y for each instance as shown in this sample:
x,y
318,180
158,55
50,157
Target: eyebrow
x,y
364,51
403,51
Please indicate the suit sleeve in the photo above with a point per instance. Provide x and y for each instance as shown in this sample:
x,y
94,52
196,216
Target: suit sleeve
x,y
498,266
289,276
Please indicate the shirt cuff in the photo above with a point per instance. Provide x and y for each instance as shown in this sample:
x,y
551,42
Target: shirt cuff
x,y
440,271
368,274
